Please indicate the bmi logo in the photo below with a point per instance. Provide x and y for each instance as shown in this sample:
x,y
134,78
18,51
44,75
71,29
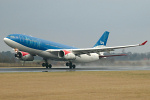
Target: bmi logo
x,y
101,42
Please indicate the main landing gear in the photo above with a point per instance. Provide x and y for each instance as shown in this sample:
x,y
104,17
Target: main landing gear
x,y
46,64
71,66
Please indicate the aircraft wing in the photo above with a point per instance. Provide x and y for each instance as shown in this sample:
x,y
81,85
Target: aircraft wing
x,y
97,50
103,49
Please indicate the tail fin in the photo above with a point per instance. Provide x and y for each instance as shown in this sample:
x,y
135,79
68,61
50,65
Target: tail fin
x,y
103,40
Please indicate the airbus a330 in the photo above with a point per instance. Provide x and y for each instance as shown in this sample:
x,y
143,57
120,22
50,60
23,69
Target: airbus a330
x,y
27,47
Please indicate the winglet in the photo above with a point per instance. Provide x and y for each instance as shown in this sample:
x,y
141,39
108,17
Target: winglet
x,y
143,43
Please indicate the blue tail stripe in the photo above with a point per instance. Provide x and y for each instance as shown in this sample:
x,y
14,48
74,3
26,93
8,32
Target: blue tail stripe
x,y
103,39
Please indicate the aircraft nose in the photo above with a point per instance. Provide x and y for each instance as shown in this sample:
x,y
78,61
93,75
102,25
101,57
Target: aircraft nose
x,y
6,40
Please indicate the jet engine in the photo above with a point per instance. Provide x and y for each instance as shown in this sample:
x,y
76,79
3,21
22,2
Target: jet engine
x,y
66,55
24,56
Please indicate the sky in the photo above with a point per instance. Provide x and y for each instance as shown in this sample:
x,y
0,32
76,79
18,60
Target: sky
x,y
78,23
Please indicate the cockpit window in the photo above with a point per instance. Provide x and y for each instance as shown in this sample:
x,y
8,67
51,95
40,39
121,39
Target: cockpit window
x,y
10,36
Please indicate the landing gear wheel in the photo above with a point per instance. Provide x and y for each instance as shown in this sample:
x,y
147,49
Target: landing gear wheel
x,y
46,64
50,66
43,65
70,67
67,64
73,66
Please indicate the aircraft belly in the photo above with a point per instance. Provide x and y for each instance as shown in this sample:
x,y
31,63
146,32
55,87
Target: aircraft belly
x,y
47,55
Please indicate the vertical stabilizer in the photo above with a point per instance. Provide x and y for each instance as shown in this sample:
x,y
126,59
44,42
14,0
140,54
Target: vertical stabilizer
x,y
103,40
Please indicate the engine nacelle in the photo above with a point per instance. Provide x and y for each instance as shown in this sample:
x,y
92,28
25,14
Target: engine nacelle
x,y
24,56
66,55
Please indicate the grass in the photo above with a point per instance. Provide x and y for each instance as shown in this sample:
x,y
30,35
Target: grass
x,y
105,85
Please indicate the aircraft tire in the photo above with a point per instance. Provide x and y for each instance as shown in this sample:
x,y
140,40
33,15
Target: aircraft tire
x,y
46,64
73,66
43,64
50,66
70,67
67,64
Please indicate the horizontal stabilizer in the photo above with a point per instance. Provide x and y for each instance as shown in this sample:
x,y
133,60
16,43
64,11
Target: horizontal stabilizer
x,y
112,55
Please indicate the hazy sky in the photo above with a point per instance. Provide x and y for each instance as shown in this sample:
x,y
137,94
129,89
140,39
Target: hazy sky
x,y
78,23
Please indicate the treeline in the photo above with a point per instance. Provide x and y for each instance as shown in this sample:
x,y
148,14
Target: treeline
x,y
8,57
133,56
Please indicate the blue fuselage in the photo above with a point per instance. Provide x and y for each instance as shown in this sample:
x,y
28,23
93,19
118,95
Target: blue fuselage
x,y
47,49
36,43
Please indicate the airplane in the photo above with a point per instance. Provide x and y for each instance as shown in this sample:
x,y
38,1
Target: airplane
x,y
26,47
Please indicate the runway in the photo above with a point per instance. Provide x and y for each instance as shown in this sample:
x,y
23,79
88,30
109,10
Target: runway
x,y
79,68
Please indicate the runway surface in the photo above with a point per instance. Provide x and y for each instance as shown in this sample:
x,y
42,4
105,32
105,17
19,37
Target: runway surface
x,y
79,68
